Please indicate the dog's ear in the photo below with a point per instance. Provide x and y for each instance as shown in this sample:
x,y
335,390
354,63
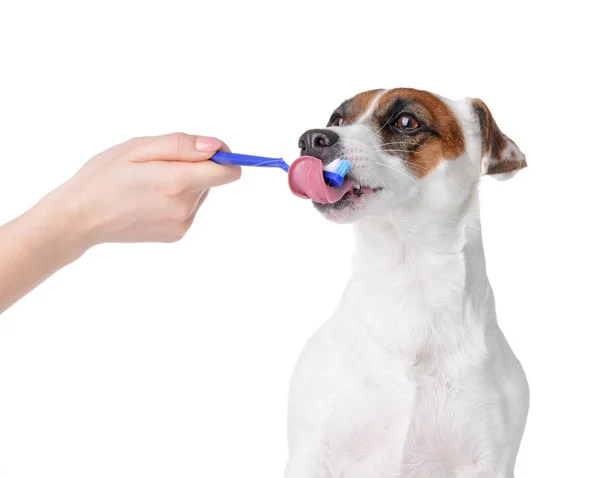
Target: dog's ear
x,y
500,156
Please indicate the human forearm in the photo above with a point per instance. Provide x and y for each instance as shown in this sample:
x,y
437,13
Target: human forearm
x,y
36,245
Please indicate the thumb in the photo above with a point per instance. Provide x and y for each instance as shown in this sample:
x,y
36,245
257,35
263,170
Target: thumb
x,y
176,147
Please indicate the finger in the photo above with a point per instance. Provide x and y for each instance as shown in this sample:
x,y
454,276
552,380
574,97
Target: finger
x,y
207,174
175,147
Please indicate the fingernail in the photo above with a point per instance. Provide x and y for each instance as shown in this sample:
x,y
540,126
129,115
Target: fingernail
x,y
207,144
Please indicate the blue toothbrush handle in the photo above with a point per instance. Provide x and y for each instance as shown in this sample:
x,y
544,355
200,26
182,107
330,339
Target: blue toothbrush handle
x,y
234,159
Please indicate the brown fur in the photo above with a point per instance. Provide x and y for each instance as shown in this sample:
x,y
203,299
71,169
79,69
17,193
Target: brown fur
x,y
505,166
356,107
494,143
448,144
421,152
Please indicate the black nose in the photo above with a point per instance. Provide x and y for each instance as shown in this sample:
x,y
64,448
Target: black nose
x,y
315,141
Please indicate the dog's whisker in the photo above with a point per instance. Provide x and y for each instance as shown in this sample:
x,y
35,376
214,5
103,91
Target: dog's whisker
x,y
385,124
400,172
410,162
424,168
391,142
382,182
395,151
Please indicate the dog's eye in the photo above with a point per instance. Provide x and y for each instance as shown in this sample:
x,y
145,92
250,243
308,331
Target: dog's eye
x,y
337,121
407,123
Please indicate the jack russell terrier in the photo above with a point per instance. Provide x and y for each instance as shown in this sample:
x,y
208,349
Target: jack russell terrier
x,y
411,376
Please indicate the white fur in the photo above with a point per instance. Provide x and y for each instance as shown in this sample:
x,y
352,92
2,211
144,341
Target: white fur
x,y
411,376
369,111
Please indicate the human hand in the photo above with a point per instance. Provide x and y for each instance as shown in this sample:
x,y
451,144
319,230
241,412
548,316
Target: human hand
x,y
144,190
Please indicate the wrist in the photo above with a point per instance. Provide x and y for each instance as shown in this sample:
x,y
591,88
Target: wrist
x,y
62,224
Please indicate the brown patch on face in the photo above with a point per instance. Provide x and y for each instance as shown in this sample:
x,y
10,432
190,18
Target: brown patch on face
x,y
356,107
503,155
441,137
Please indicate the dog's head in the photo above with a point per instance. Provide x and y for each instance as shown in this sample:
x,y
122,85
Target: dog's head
x,y
410,149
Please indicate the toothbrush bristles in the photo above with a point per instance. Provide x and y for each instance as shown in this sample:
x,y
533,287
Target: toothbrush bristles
x,y
342,168
335,171
338,166
331,167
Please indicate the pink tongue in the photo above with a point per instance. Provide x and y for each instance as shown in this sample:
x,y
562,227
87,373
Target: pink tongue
x,y
305,178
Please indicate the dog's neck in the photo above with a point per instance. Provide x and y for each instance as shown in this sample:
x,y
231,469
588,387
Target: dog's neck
x,y
421,287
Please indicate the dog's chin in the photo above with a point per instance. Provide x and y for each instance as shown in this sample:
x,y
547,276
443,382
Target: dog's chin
x,y
352,207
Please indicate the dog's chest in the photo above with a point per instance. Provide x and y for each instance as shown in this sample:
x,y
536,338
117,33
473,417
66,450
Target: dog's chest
x,y
367,398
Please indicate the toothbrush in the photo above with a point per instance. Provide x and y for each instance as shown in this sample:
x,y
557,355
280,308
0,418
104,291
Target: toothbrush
x,y
333,173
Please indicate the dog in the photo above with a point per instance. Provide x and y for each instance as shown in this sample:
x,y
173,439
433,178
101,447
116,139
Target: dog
x,y
411,376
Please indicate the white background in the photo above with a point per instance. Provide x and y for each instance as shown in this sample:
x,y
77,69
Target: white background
x,y
174,360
